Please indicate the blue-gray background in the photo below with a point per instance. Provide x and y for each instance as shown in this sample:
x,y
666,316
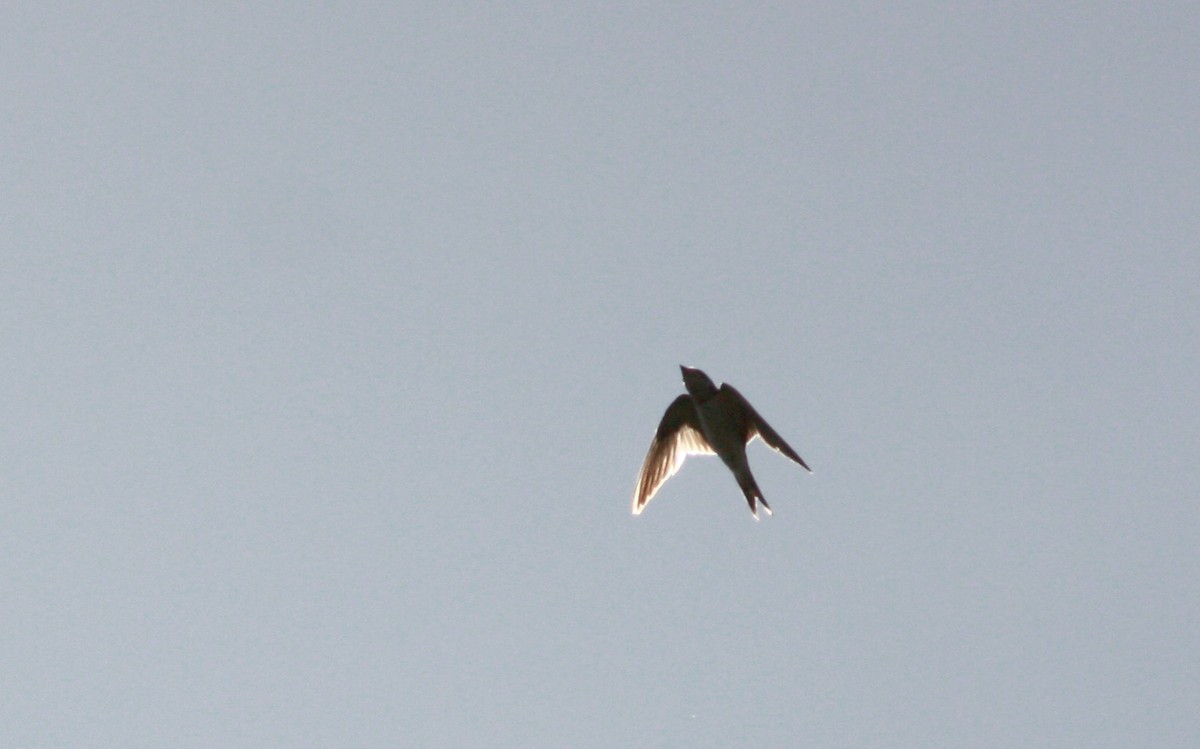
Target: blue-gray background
x,y
333,339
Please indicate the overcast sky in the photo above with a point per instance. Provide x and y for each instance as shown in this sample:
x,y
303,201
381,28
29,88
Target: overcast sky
x,y
334,337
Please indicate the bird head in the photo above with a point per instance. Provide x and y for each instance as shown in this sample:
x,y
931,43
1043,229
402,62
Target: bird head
x,y
698,384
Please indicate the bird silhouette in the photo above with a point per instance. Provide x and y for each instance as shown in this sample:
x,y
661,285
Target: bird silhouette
x,y
708,420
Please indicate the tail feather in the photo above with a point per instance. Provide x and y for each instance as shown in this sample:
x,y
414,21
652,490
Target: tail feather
x,y
750,489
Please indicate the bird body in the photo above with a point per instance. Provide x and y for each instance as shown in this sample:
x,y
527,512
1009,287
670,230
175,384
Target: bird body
x,y
708,421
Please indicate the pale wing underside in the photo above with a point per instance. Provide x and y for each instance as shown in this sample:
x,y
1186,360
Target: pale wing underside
x,y
679,435
763,429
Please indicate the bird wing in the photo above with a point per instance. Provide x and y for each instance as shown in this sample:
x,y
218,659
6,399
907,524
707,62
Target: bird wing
x,y
679,435
762,429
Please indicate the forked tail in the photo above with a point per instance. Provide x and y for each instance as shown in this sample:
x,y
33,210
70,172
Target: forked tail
x,y
750,489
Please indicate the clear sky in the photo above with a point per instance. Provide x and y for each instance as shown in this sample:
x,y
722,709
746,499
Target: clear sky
x,y
334,337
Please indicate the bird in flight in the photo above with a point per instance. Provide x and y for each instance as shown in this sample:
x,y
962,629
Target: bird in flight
x,y
708,420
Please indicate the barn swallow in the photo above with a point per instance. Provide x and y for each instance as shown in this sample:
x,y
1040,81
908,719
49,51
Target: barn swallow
x,y
707,420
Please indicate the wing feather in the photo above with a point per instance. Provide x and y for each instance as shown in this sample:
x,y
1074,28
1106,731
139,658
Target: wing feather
x,y
679,435
763,429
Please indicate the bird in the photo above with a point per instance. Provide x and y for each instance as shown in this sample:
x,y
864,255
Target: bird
x,y
708,420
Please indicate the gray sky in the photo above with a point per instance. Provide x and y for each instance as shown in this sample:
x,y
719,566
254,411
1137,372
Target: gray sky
x,y
334,338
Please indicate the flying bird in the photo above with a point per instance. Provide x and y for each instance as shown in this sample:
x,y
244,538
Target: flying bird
x,y
708,420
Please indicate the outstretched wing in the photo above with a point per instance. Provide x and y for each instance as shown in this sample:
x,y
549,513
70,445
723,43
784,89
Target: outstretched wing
x,y
762,429
679,435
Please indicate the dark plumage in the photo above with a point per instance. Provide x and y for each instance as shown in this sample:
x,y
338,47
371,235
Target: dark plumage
x,y
708,420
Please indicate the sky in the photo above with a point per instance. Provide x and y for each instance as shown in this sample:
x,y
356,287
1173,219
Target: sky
x,y
335,334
